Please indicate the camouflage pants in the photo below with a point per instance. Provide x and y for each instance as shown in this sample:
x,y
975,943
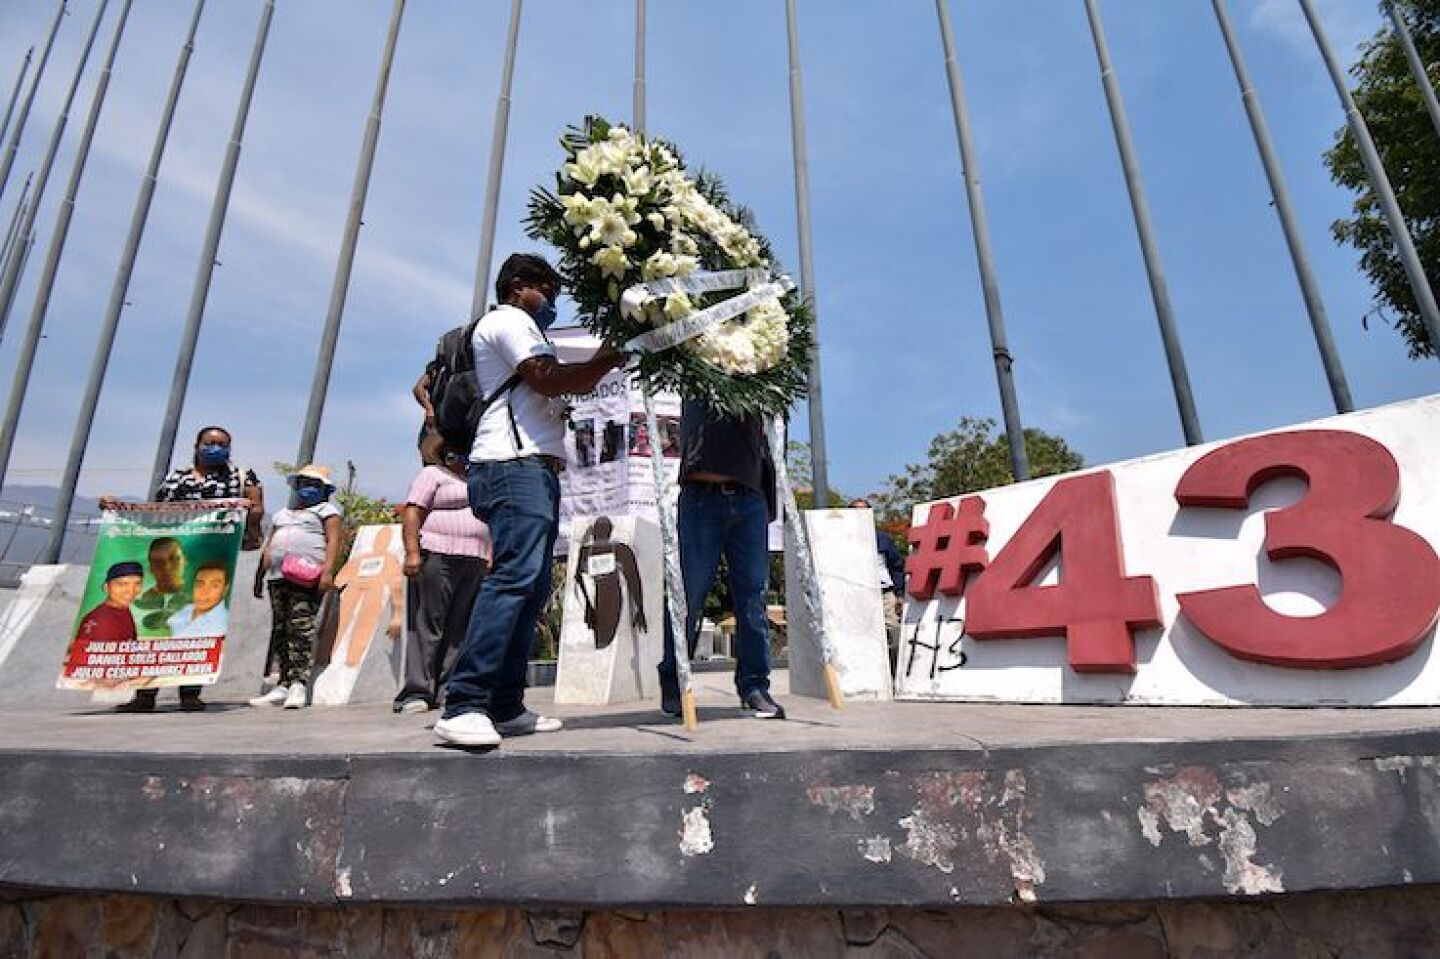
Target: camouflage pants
x,y
294,610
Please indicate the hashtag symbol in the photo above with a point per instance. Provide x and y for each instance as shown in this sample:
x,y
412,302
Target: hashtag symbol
x,y
947,548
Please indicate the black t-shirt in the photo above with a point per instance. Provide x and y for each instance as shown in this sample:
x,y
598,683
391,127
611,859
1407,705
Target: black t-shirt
x,y
733,446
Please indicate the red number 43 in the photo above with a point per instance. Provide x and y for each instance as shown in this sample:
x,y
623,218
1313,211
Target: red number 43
x,y
1390,576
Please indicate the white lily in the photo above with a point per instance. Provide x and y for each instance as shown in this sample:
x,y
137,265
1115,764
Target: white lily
x,y
610,229
612,261
638,181
678,306
585,169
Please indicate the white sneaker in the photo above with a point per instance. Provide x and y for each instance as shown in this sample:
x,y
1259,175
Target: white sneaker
x,y
415,706
274,697
295,698
527,723
468,729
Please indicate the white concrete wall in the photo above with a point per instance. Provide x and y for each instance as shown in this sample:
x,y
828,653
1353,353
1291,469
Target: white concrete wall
x,y
842,542
1186,550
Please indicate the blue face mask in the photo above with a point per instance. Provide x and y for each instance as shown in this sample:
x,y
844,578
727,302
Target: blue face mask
x,y
213,454
546,314
310,495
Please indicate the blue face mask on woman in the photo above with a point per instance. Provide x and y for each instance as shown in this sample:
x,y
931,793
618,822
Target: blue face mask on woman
x,y
546,314
310,495
213,454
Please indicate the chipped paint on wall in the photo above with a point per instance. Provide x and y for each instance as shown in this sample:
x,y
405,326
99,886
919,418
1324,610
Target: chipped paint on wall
x,y
1192,801
695,838
855,801
875,848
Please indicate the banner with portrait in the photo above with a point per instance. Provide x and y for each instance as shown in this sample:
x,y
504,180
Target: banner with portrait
x,y
156,606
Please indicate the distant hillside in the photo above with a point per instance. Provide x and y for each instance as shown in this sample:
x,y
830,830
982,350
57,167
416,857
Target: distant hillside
x,y
25,513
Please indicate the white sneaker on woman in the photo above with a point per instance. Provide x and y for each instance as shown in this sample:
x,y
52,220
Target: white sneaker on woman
x,y
295,698
468,729
275,697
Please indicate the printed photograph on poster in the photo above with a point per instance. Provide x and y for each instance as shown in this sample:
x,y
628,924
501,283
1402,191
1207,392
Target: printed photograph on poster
x,y
612,444
584,442
639,435
155,609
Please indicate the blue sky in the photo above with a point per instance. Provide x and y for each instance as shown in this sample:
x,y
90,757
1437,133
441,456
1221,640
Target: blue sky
x,y
905,351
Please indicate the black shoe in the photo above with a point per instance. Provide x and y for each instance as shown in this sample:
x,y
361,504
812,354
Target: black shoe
x,y
759,702
140,704
190,704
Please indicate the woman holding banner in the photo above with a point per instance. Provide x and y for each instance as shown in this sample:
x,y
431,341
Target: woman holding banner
x,y
210,475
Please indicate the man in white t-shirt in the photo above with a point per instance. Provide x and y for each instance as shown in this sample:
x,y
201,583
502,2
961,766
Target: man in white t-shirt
x,y
514,488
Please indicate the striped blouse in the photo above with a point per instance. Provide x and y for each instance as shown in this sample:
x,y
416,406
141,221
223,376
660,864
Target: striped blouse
x,y
450,527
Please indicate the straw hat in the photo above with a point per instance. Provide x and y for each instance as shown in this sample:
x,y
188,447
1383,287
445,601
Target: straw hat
x,y
313,471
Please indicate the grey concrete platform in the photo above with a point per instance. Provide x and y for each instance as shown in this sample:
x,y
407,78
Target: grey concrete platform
x,y
876,804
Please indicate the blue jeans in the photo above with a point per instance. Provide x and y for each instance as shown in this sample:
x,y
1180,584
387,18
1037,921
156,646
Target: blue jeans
x,y
712,523
520,501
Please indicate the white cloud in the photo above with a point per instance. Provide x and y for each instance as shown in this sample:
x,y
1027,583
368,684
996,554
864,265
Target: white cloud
x,y
1346,24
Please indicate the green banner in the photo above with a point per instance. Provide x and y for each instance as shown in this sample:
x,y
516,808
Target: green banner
x,y
156,606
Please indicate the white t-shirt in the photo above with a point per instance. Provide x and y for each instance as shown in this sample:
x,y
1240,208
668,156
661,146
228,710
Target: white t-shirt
x,y
504,338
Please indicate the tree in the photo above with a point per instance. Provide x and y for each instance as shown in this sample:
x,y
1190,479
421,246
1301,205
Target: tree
x,y
970,457
1391,102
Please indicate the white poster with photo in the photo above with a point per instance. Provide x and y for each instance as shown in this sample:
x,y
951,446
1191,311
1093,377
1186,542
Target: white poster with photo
x,y
609,470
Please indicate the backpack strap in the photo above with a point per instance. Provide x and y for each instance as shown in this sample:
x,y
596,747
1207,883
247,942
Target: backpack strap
x,y
486,403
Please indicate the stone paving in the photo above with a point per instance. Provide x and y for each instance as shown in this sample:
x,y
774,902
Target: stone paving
x,y
234,728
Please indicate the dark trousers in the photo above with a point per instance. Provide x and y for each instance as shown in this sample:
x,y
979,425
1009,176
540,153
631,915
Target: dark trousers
x,y
520,501
438,602
185,693
712,522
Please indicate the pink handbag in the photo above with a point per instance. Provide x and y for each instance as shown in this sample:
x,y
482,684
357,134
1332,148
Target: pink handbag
x,y
301,570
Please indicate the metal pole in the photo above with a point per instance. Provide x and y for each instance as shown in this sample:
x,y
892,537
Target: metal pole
x,y
15,94
341,286
1159,289
819,465
26,362
989,283
80,439
637,111
8,160
1384,192
497,166
1309,288
191,333
1417,66
13,230
23,255
10,279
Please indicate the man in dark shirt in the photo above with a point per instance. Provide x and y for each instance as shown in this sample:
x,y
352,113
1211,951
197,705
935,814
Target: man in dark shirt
x,y
727,500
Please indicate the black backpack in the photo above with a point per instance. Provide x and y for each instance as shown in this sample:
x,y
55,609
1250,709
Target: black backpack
x,y
455,389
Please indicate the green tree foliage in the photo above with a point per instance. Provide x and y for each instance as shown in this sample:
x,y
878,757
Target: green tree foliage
x,y
973,456
1391,103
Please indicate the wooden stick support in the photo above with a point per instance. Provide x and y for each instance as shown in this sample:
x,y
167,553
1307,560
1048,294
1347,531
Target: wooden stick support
x,y
687,709
832,687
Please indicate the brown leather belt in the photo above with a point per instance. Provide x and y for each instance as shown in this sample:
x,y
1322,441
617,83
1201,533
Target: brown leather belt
x,y
554,463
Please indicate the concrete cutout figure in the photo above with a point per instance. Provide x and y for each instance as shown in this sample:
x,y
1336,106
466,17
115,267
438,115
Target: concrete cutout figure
x,y
372,578
603,563
607,648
